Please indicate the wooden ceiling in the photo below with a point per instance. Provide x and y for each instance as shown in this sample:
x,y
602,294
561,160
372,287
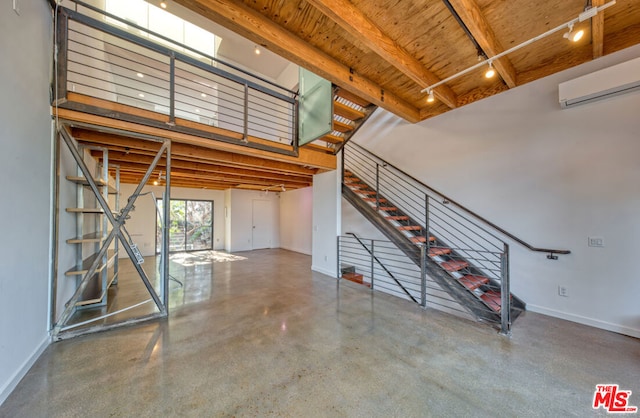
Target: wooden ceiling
x,y
387,51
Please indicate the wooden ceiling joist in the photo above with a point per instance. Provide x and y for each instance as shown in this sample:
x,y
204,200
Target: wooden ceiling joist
x,y
597,30
475,21
254,26
352,20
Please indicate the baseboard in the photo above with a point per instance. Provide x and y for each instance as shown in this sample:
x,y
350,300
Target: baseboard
x,y
295,250
620,329
324,271
22,371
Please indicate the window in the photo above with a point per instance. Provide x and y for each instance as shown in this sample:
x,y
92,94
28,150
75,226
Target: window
x,y
190,225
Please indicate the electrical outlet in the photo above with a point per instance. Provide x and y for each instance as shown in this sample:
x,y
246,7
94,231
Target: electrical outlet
x,y
563,291
596,242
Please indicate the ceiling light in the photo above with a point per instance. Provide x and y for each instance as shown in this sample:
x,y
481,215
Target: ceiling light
x,y
197,110
283,188
430,98
257,50
140,75
203,95
573,36
140,94
163,4
155,182
490,71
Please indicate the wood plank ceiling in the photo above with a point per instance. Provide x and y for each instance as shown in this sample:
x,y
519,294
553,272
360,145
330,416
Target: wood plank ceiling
x,y
387,51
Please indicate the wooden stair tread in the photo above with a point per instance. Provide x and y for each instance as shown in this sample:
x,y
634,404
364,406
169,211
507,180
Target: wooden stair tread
x,y
348,112
93,237
352,97
410,228
420,239
86,263
373,199
387,208
319,148
362,191
493,299
472,282
333,139
342,127
356,278
454,265
397,218
436,251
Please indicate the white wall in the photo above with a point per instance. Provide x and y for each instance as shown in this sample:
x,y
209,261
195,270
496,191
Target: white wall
x,y
25,184
296,220
552,177
240,213
142,225
326,222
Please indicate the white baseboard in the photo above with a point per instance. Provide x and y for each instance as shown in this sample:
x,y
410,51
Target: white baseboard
x,y
620,329
6,390
324,271
295,250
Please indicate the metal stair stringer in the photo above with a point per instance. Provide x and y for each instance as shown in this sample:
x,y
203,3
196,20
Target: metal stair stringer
x,y
413,252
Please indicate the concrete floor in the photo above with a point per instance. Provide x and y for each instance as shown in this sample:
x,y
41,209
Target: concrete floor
x,y
266,336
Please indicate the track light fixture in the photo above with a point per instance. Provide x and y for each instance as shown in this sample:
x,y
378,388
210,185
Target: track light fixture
x,y
588,13
163,4
275,186
490,71
257,50
430,97
573,36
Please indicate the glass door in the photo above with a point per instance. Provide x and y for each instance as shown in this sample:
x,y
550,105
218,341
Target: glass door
x,y
190,225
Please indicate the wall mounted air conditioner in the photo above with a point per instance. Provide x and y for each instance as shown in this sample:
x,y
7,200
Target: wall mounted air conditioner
x,y
611,81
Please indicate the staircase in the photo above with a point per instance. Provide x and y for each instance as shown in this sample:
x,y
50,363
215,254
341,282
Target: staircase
x,y
349,113
466,260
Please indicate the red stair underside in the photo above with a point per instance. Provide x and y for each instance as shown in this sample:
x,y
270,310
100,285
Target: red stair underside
x,y
454,265
473,282
493,299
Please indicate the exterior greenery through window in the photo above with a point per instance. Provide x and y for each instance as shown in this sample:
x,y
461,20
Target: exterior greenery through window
x,y
190,226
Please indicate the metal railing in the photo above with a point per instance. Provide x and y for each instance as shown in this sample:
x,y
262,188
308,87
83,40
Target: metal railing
x,y
445,217
199,94
463,254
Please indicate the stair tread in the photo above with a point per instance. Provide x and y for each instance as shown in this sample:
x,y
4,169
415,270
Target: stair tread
x,y
368,192
410,228
397,218
342,127
436,251
493,299
373,199
422,239
454,265
356,278
472,282
333,139
347,111
387,208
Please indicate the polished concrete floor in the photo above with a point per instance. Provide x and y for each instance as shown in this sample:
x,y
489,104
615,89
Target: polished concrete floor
x,y
265,336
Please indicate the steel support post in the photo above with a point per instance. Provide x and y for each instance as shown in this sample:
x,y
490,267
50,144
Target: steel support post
x,y
423,275
377,187
505,291
172,89
164,289
245,133
372,266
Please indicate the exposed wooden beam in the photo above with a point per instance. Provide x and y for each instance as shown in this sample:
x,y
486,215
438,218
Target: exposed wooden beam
x,y
352,20
597,30
305,158
140,162
475,21
186,150
251,24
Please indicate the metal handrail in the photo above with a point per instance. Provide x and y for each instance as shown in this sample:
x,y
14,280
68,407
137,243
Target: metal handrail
x,y
469,211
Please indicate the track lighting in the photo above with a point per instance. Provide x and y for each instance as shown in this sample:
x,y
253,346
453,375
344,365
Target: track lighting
x,y
257,50
283,188
490,71
163,4
430,97
573,36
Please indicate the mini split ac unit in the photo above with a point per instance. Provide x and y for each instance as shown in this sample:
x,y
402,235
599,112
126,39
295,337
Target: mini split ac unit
x,y
611,81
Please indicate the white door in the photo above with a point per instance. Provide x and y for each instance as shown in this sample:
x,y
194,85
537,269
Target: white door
x,y
262,224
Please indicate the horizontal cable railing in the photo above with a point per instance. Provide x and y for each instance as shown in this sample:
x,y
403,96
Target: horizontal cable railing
x,y
384,268
447,219
138,68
